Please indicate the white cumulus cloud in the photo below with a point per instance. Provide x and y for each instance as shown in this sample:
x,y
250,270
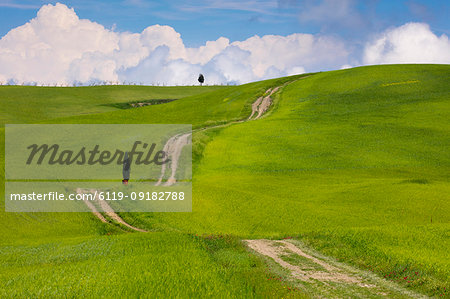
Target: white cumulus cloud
x,y
410,43
44,49
57,47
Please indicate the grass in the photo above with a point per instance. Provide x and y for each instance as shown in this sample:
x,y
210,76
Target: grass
x,y
52,249
338,154
352,162
206,109
25,104
129,265
412,256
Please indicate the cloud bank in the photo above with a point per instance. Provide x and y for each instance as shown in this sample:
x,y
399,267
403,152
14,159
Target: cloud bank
x,y
410,43
56,47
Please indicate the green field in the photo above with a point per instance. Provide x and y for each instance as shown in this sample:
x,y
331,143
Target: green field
x,y
25,104
353,163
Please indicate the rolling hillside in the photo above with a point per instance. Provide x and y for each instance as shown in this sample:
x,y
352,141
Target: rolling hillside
x,y
352,163
25,104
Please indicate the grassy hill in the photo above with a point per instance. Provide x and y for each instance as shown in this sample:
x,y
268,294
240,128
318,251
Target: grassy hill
x,y
25,104
354,163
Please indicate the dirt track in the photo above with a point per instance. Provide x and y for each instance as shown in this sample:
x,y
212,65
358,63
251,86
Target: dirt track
x,y
322,276
175,144
173,148
106,209
277,249
262,104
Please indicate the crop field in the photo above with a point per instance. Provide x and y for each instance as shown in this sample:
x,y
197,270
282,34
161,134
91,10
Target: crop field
x,y
351,165
24,104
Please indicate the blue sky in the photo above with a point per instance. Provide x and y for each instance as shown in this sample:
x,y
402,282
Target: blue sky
x,y
171,42
199,21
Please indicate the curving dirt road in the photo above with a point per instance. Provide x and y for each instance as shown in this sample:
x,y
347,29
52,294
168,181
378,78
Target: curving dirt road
x,y
322,276
323,271
106,209
173,148
175,144
262,104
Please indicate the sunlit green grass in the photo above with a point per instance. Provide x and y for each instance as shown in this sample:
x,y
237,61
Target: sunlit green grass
x,y
134,265
24,104
353,162
202,110
340,152
74,254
